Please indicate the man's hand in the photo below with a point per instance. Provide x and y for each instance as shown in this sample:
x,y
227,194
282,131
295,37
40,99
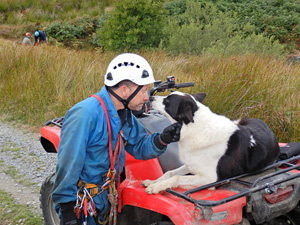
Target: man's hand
x,y
170,134
68,216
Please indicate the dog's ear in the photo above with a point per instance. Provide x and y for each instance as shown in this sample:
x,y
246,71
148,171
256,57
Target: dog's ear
x,y
199,96
186,112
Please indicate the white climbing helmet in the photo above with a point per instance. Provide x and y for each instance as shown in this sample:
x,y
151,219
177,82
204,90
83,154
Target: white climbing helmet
x,y
129,66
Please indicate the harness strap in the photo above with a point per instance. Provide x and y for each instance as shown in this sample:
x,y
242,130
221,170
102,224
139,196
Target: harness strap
x,y
93,188
112,156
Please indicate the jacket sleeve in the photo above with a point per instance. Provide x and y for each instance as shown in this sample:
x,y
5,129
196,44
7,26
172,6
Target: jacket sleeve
x,y
71,154
140,144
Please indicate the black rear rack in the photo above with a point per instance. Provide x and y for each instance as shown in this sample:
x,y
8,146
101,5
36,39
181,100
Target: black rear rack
x,y
57,122
269,187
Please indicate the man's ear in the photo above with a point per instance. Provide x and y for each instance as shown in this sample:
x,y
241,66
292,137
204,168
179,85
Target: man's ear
x,y
124,91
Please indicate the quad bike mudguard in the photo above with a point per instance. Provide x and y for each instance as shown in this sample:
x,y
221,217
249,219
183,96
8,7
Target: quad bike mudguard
x,y
178,210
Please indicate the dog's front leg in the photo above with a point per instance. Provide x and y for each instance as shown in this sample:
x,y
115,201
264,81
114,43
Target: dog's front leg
x,y
162,185
179,171
179,181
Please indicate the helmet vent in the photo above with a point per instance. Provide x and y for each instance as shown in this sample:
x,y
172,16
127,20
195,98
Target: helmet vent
x,y
109,76
145,74
126,64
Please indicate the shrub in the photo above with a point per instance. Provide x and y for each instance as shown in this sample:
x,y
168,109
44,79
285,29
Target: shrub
x,y
208,30
175,9
81,28
253,43
273,18
62,31
134,24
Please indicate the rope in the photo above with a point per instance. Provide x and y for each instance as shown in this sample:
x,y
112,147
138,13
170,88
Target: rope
x,y
113,199
113,192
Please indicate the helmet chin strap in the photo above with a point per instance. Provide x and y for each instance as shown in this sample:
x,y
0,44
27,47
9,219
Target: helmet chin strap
x,y
126,101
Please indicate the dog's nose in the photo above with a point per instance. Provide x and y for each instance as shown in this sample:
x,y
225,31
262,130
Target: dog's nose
x,y
151,99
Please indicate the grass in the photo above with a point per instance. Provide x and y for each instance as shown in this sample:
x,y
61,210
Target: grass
x,y
12,213
35,11
10,147
12,171
41,83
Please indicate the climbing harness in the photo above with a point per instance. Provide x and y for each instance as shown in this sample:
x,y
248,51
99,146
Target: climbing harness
x,y
86,191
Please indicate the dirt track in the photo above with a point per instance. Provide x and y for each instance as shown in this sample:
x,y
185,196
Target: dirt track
x,y
24,165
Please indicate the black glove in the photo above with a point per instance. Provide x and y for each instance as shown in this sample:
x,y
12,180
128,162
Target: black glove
x,y
170,133
68,216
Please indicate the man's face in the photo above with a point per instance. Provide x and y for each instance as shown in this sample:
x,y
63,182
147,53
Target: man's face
x,y
141,97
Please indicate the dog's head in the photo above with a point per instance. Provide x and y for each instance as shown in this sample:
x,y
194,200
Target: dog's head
x,y
178,106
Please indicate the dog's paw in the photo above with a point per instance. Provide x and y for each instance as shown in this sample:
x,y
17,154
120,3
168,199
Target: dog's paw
x,y
157,187
146,183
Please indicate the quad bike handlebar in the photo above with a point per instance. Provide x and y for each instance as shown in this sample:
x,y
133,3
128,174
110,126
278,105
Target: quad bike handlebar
x,y
169,84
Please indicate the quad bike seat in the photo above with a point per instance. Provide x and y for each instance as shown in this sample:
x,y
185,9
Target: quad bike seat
x,y
157,123
289,150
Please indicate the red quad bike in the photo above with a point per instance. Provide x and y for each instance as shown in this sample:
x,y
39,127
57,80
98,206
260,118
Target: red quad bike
x,y
268,197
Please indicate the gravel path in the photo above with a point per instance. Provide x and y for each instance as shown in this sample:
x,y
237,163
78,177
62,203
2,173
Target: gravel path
x,y
24,165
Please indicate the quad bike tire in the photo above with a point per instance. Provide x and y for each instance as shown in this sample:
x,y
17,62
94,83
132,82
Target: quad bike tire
x,y
50,215
291,218
46,203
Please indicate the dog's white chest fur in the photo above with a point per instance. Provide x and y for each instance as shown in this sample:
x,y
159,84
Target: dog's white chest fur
x,y
201,152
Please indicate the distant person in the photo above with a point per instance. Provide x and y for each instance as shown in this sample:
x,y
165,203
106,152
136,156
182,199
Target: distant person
x,y
40,37
26,40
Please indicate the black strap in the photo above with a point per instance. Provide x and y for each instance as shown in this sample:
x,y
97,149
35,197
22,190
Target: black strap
x,y
289,150
125,102
134,93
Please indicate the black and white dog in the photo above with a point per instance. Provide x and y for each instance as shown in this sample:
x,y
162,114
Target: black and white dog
x,y
211,146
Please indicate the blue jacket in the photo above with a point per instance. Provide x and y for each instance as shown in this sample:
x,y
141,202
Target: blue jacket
x,y
83,149
41,37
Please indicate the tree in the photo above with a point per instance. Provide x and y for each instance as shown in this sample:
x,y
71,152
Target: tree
x,y
133,24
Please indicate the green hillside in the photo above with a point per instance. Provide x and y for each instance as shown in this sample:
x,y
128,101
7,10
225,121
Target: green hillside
x,y
179,26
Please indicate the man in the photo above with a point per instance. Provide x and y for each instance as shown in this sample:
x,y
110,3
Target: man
x,y
40,37
26,40
83,153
